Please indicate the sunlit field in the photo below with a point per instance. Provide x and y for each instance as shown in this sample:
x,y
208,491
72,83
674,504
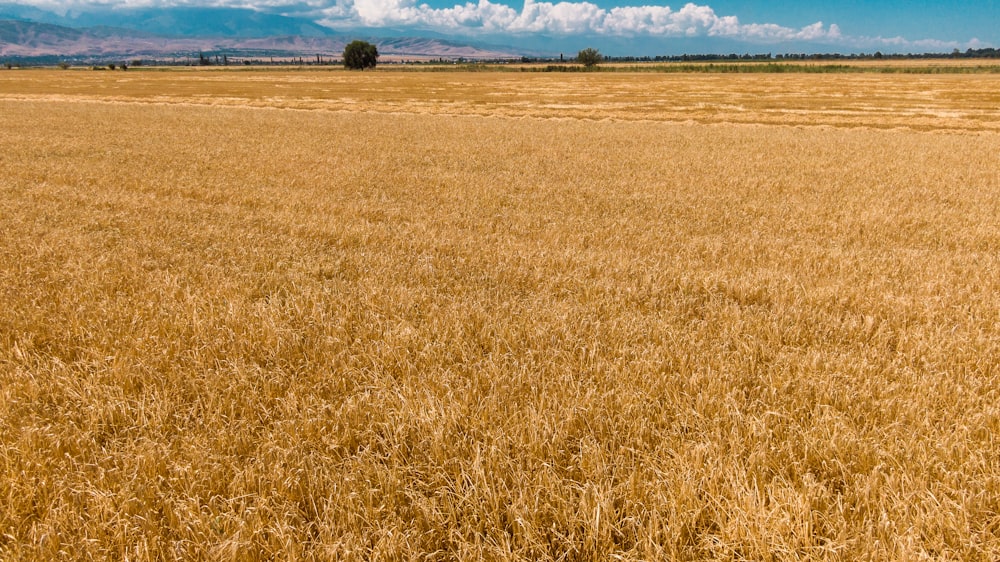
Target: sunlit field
x,y
324,315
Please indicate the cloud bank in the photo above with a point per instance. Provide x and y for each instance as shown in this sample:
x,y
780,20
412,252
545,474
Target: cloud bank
x,y
563,18
571,18
585,18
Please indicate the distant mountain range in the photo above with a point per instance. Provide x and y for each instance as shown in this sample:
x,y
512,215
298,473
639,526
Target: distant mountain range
x,y
97,33
174,22
27,32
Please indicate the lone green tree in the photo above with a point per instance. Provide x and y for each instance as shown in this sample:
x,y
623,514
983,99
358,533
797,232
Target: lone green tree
x,y
359,55
589,57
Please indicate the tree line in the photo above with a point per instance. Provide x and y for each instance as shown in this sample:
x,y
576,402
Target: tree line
x,y
361,55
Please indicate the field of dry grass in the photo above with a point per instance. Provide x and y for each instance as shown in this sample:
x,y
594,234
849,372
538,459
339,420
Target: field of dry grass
x,y
940,102
412,316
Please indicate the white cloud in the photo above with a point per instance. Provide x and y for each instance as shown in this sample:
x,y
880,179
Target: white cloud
x,y
569,18
903,45
565,17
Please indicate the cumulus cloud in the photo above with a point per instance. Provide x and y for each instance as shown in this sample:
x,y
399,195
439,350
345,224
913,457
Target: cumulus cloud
x,y
571,17
560,18
901,44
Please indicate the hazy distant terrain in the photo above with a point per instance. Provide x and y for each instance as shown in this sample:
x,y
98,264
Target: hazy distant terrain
x,y
30,32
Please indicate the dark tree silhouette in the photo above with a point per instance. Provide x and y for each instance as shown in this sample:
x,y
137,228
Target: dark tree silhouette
x,y
359,55
589,57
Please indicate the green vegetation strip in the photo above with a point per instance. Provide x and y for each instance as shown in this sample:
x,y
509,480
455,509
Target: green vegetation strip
x,y
698,68
773,68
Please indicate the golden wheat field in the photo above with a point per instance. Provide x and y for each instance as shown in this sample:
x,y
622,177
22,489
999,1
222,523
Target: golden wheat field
x,y
323,315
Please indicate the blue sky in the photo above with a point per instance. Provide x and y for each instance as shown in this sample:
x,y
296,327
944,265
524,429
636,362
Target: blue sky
x,y
711,26
958,20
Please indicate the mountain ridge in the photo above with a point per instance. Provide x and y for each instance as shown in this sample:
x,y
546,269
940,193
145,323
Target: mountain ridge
x,y
173,30
26,39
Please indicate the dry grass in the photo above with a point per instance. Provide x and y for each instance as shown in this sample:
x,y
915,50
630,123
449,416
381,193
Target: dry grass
x,y
961,103
229,332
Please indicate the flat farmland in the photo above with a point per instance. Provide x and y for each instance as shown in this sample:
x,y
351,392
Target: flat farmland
x,y
317,315
938,102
